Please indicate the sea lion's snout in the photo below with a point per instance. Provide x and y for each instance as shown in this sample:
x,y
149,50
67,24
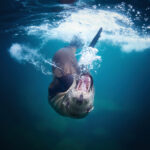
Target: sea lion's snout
x,y
83,91
81,96
80,100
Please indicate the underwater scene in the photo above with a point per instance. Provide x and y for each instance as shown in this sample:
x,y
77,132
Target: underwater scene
x,y
32,31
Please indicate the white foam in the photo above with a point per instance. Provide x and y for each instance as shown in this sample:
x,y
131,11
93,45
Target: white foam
x,y
16,51
89,58
117,28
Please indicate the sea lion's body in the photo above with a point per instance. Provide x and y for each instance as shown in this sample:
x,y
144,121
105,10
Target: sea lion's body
x,y
67,65
65,95
71,92
66,60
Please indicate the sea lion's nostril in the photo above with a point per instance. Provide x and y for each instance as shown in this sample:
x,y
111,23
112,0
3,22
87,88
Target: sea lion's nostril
x,y
80,100
81,96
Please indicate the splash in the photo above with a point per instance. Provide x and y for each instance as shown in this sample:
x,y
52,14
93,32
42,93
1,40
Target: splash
x,y
118,29
89,58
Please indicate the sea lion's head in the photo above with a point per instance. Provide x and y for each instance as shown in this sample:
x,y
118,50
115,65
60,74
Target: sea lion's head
x,y
80,97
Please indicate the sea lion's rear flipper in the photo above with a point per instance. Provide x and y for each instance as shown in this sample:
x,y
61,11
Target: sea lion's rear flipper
x,y
95,39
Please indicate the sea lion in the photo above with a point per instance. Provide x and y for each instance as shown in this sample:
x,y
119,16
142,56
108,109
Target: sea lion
x,y
71,92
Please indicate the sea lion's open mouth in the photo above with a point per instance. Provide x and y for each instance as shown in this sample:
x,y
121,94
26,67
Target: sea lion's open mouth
x,y
84,83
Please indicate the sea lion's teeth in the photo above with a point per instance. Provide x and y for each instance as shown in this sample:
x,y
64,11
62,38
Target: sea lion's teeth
x,y
84,83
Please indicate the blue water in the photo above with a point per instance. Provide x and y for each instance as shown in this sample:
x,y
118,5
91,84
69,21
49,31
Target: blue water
x,y
120,119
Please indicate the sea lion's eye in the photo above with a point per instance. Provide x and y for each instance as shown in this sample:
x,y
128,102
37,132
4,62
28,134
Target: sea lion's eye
x,y
90,108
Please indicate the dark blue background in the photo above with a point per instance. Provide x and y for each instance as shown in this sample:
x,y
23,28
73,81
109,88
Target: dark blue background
x,y
120,120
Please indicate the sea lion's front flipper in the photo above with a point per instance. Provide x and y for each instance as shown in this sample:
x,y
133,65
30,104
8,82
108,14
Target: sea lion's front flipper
x,y
95,39
61,84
